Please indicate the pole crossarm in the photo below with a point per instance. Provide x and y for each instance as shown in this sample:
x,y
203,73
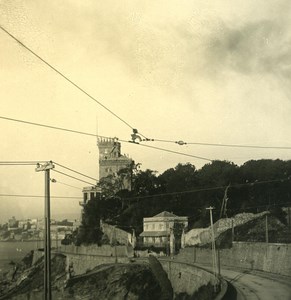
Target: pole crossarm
x,y
43,167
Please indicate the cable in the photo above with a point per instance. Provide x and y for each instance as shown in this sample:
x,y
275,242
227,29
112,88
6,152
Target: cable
x,y
122,120
65,77
74,177
74,171
38,196
51,127
57,181
167,150
218,145
208,189
20,163
95,135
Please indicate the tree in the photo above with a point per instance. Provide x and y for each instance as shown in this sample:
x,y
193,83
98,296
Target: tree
x,y
90,232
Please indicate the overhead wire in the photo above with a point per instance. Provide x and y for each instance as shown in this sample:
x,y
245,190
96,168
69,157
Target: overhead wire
x,y
207,189
73,177
57,181
180,142
51,127
72,170
95,135
38,196
170,151
66,77
20,163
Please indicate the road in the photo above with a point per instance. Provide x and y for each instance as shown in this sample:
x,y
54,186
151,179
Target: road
x,y
256,285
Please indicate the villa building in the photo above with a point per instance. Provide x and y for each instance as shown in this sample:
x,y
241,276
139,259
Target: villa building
x,y
157,229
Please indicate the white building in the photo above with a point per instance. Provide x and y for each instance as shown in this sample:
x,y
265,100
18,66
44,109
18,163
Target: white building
x,y
157,229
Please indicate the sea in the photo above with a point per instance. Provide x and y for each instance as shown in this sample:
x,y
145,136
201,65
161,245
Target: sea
x,y
14,252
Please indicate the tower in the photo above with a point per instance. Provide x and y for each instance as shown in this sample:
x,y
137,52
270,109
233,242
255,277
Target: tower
x,y
111,160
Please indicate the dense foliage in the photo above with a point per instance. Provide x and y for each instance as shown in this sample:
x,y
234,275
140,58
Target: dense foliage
x,y
255,186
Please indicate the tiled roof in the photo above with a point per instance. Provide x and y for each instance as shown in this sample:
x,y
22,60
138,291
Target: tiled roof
x,y
165,214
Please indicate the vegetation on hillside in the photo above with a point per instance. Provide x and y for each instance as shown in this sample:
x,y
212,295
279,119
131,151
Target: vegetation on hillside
x,y
255,186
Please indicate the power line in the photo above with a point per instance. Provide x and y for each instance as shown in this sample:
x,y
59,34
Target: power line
x,y
20,163
125,141
74,171
73,177
208,189
95,135
65,77
57,181
38,196
51,127
180,142
171,151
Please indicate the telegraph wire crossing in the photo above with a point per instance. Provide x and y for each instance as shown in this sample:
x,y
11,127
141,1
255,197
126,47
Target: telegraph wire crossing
x,y
73,177
150,196
131,142
96,135
66,78
38,196
77,172
155,140
57,181
135,135
31,163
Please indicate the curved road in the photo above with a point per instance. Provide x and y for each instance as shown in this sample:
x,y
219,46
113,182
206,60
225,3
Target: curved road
x,y
256,285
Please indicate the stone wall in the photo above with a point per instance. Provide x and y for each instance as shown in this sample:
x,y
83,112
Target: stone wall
x,y
274,258
186,278
116,234
81,264
203,235
85,258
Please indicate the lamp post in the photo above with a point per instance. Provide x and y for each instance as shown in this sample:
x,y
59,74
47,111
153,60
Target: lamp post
x,y
47,234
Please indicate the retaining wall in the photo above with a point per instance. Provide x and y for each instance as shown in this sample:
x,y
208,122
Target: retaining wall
x,y
85,258
186,278
274,258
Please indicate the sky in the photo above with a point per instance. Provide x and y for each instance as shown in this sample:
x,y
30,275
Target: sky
x,y
196,71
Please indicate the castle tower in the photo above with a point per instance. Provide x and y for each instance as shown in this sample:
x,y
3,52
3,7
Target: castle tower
x,y
110,158
110,162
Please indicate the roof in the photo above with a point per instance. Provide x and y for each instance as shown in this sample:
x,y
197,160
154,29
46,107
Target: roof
x,y
154,233
165,214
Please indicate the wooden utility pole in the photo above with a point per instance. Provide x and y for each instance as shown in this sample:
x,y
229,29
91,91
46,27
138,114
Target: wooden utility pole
x,y
47,234
214,258
267,230
232,231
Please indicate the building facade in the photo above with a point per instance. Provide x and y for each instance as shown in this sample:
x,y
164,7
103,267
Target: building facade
x,y
157,229
111,160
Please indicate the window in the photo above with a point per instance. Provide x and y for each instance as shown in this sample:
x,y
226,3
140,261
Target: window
x,y
160,226
153,226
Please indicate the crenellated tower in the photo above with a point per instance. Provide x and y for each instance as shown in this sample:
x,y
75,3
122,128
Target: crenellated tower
x,y
110,158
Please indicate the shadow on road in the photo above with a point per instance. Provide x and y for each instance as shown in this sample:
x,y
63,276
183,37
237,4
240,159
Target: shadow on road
x,y
231,293
236,278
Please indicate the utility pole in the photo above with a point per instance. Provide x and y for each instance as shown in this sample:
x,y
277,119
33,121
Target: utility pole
x,y
232,231
47,234
267,230
214,258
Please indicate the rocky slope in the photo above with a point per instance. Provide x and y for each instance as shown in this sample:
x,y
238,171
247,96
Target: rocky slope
x,y
119,281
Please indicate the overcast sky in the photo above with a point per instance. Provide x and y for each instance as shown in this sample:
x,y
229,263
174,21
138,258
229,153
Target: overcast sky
x,y
197,71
